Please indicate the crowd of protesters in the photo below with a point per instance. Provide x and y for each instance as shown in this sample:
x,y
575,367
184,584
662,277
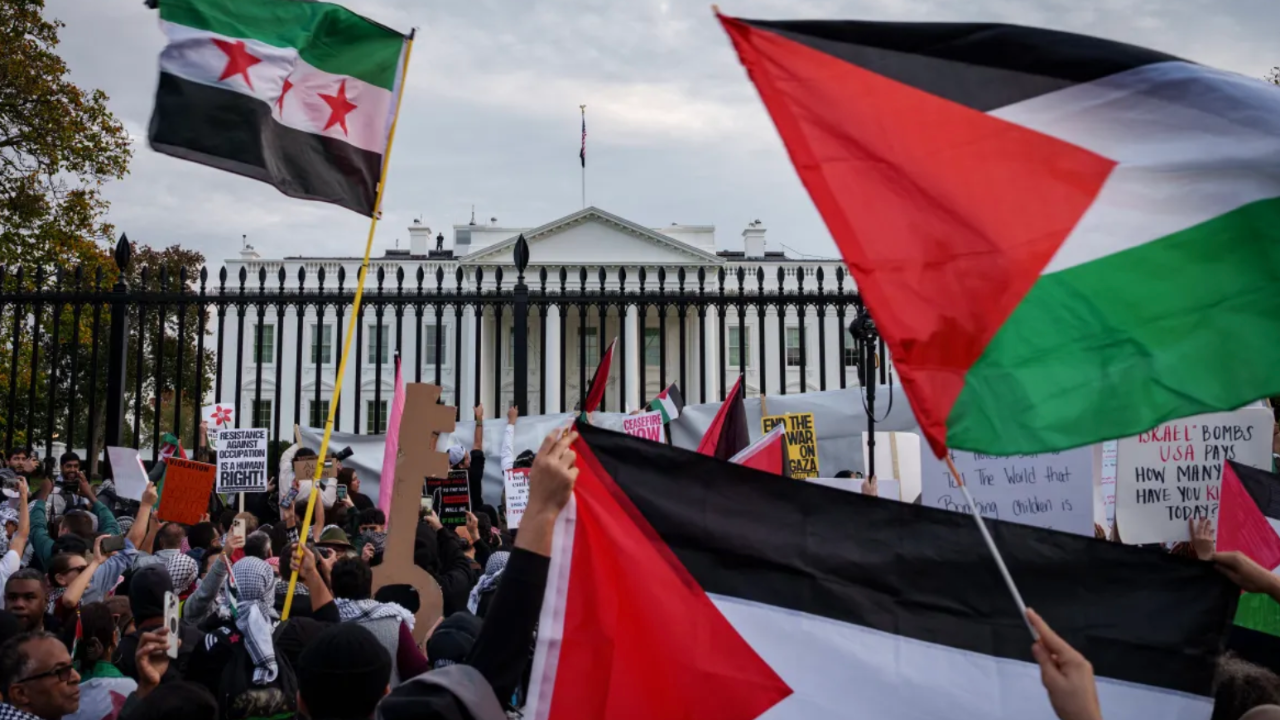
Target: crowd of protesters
x,y
87,575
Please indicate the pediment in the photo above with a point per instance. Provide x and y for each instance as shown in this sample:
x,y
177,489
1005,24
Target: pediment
x,y
594,237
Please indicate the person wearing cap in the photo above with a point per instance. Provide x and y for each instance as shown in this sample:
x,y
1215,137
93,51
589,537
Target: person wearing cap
x,y
342,674
335,538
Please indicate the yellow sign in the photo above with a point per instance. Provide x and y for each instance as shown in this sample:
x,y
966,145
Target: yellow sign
x,y
802,442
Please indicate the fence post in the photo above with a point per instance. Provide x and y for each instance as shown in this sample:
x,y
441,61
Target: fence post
x,y
118,347
520,322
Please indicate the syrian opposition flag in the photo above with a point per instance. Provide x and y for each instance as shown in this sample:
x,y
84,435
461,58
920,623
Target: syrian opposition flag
x,y
728,433
1056,234
669,402
768,454
668,597
599,380
299,95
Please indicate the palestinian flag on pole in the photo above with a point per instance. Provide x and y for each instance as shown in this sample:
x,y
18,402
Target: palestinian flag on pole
x,y
1057,234
669,597
728,435
300,95
669,402
599,380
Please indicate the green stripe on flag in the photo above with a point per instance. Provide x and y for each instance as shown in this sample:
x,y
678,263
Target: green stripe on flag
x,y
1257,611
329,37
1183,325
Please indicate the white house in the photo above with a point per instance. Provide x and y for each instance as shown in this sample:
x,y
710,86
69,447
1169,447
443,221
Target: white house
x,y
592,239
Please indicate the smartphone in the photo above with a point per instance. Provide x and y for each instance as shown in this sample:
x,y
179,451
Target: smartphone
x,y
237,529
427,504
290,496
171,622
113,543
342,492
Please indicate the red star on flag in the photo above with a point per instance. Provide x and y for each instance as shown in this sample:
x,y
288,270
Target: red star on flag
x,y
339,106
288,85
238,60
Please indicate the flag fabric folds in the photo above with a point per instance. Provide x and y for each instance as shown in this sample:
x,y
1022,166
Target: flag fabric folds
x,y
599,380
300,95
669,402
582,153
671,593
387,481
1056,234
1241,523
768,454
728,434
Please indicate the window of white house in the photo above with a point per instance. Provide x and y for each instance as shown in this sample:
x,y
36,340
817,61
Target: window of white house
x,y
431,353
262,413
793,347
511,347
592,336
739,342
321,344
264,349
378,352
375,417
652,348
850,350
319,413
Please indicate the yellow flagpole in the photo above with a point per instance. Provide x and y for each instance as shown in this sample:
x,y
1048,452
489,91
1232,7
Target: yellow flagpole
x,y
346,344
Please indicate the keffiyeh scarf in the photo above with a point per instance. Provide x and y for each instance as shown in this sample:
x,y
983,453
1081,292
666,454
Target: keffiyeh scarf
x,y
492,574
182,570
368,609
7,515
249,602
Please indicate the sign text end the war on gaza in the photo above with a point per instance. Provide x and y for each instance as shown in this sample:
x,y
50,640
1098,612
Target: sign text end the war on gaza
x,y
802,442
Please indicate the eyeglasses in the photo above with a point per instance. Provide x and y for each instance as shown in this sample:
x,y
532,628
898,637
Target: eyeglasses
x,y
76,569
62,672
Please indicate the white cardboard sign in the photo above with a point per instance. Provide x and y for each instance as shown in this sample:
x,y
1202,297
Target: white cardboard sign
x,y
645,425
127,472
1049,490
1172,473
219,416
516,483
898,456
242,461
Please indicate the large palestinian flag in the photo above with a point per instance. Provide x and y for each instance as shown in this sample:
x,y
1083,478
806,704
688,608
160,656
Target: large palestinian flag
x,y
300,95
1058,235
682,586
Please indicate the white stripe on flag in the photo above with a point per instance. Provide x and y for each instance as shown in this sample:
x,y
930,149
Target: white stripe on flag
x,y
1192,142
842,670
192,55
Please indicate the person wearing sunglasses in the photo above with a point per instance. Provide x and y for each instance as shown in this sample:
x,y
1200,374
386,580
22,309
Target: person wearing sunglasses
x,y
37,678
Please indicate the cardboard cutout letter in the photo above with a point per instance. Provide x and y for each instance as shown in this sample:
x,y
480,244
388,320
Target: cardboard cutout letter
x,y
422,423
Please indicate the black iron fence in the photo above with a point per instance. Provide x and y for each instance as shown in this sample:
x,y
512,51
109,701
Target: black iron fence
x,y
123,356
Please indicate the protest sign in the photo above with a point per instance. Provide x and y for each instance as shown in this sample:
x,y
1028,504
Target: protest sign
x,y
1104,485
305,469
1172,473
242,461
1049,490
218,417
645,425
127,472
802,442
516,485
451,497
187,486
897,458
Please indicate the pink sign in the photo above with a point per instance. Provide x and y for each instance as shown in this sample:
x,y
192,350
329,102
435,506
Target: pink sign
x,y
645,425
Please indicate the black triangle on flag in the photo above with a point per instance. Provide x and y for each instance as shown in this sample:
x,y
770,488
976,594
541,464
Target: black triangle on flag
x,y
682,586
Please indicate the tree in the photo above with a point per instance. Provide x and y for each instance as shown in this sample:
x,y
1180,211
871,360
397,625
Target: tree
x,y
1274,77
58,145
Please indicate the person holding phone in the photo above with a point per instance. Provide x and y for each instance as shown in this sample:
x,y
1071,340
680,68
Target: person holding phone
x,y
348,479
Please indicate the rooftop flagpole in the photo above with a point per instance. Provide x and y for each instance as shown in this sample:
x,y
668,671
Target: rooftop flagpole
x,y
582,155
346,345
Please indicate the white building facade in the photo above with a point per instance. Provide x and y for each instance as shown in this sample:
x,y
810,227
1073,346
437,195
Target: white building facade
x,y
790,336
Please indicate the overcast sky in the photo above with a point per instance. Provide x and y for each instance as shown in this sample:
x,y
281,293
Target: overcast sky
x,y
490,118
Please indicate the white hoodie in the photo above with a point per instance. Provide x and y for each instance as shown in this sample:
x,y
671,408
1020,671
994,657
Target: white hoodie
x,y
329,495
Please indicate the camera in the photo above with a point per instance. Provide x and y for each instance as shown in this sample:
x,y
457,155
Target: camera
x,y
344,453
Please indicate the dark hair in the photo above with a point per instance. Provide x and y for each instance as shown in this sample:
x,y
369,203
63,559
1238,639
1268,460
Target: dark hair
x,y
201,535
346,475
59,564
71,543
67,457
1240,686
337,516
845,474
351,579
97,634
170,536
206,561
372,516
343,673
19,450
186,700
26,573
524,459
304,453
258,544
15,661
78,522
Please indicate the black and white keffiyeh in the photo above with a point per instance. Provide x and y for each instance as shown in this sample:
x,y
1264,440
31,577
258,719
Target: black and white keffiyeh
x,y
368,609
9,712
492,574
249,601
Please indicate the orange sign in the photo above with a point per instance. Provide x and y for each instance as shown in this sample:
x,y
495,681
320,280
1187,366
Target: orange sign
x,y
187,487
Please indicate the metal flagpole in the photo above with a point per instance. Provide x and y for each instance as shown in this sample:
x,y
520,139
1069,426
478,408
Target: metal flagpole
x,y
583,108
346,345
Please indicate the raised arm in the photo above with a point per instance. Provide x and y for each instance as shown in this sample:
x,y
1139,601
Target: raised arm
x,y
77,588
18,543
479,438
509,439
138,532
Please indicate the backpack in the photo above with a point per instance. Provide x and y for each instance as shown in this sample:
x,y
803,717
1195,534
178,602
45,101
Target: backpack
x,y
240,699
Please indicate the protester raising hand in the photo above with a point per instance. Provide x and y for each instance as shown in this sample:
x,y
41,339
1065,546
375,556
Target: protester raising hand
x,y
152,659
1203,537
1066,674
550,486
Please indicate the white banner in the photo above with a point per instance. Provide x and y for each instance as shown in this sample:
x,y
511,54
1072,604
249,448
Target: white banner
x,y
1050,490
242,461
1168,475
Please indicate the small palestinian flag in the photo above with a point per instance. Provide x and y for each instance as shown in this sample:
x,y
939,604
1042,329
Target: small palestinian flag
x,y
685,587
768,454
599,380
728,434
299,95
669,402
1057,234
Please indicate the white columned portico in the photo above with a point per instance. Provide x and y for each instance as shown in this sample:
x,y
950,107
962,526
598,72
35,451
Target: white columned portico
x,y
551,363
635,348
711,356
